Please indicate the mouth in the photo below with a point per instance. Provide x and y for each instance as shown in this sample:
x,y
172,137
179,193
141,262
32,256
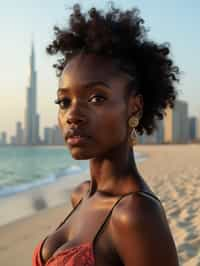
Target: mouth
x,y
77,140
73,137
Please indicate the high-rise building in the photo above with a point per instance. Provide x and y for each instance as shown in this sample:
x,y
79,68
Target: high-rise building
x,y
193,127
160,132
48,135
37,128
58,139
168,125
176,123
31,116
19,134
53,136
155,138
198,129
3,138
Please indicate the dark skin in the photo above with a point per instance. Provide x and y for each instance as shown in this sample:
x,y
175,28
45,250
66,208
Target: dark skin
x,y
137,232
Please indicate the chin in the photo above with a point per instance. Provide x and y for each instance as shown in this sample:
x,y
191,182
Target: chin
x,y
80,153
77,154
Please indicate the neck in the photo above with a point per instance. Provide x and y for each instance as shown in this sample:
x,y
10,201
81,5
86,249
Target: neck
x,y
112,171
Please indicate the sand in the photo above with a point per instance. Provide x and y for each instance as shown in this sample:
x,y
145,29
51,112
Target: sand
x,y
172,171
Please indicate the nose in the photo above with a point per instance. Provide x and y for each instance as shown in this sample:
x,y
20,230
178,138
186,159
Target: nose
x,y
76,116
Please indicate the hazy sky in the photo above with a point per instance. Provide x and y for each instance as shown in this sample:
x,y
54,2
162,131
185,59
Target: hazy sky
x,y
174,21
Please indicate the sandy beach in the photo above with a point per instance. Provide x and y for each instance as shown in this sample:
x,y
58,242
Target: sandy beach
x,y
172,171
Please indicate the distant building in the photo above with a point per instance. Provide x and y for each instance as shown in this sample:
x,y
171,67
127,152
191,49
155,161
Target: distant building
x,y
176,123
37,128
193,128
181,122
13,140
140,139
48,136
53,136
198,129
147,139
155,138
19,134
31,116
57,136
3,138
160,132
168,126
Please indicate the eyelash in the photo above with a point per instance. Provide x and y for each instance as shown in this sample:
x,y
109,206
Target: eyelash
x,y
59,101
67,100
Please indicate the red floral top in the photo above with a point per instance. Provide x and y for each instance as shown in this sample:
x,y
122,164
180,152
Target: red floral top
x,y
81,255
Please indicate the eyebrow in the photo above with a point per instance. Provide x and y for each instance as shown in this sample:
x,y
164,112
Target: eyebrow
x,y
88,85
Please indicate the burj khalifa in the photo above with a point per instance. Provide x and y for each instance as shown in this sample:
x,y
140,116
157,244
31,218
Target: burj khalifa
x,y
31,116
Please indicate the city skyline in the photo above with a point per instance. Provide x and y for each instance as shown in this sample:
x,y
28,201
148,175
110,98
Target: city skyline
x,y
176,127
179,26
27,132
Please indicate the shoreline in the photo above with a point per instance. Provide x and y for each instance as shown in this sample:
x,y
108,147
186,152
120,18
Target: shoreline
x,y
46,195
172,172
36,199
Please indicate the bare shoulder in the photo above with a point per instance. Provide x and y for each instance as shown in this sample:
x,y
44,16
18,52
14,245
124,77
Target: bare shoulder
x,y
141,234
79,191
136,208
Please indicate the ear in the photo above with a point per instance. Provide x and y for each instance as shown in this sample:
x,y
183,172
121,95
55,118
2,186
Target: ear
x,y
135,105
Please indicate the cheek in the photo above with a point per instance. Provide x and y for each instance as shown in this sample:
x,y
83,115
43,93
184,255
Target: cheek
x,y
114,126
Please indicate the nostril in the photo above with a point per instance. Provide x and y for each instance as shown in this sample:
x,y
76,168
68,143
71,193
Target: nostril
x,y
75,120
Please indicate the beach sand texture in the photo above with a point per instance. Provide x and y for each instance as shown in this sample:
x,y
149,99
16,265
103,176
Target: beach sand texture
x,y
172,171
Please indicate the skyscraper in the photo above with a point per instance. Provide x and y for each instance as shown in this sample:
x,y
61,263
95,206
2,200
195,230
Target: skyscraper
x,y
31,116
19,133
3,138
176,123
193,123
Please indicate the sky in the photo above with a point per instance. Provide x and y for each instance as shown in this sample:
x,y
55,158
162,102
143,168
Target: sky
x,y
173,21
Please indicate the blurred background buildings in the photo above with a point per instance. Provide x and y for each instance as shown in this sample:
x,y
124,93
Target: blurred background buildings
x,y
176,127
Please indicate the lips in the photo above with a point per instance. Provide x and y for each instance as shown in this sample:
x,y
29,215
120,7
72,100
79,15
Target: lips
x,y
73,133
75,136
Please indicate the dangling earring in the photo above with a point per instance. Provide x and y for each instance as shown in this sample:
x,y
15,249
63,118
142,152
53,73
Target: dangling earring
x,y
133,123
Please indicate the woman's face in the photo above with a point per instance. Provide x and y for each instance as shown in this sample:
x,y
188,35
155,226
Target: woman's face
x,y
94,104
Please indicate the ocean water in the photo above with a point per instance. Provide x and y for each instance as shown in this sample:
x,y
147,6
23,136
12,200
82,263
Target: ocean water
x,y
23,168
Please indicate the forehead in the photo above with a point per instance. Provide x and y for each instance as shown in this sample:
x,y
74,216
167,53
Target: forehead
x,y
88,68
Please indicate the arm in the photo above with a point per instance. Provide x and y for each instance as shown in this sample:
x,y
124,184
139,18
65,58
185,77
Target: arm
x,y
141,234
79,192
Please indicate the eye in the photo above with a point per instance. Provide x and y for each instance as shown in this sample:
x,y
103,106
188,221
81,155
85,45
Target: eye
x,y
63,103
98,99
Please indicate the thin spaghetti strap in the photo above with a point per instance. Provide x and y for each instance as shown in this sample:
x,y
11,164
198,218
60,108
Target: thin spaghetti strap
x,y
110,212
149,194
70,213
107,217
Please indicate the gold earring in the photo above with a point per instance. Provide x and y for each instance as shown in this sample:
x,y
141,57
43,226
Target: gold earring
x,y
133,123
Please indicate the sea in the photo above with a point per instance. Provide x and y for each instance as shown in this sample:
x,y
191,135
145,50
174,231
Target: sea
x,y
23,168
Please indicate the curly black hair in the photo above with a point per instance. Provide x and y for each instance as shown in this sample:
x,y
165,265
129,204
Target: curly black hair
x,y
122,36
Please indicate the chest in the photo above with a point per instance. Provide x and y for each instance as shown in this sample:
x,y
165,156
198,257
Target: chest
x,y
89,223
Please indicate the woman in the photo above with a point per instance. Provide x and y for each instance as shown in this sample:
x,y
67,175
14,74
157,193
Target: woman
x,y
113,81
